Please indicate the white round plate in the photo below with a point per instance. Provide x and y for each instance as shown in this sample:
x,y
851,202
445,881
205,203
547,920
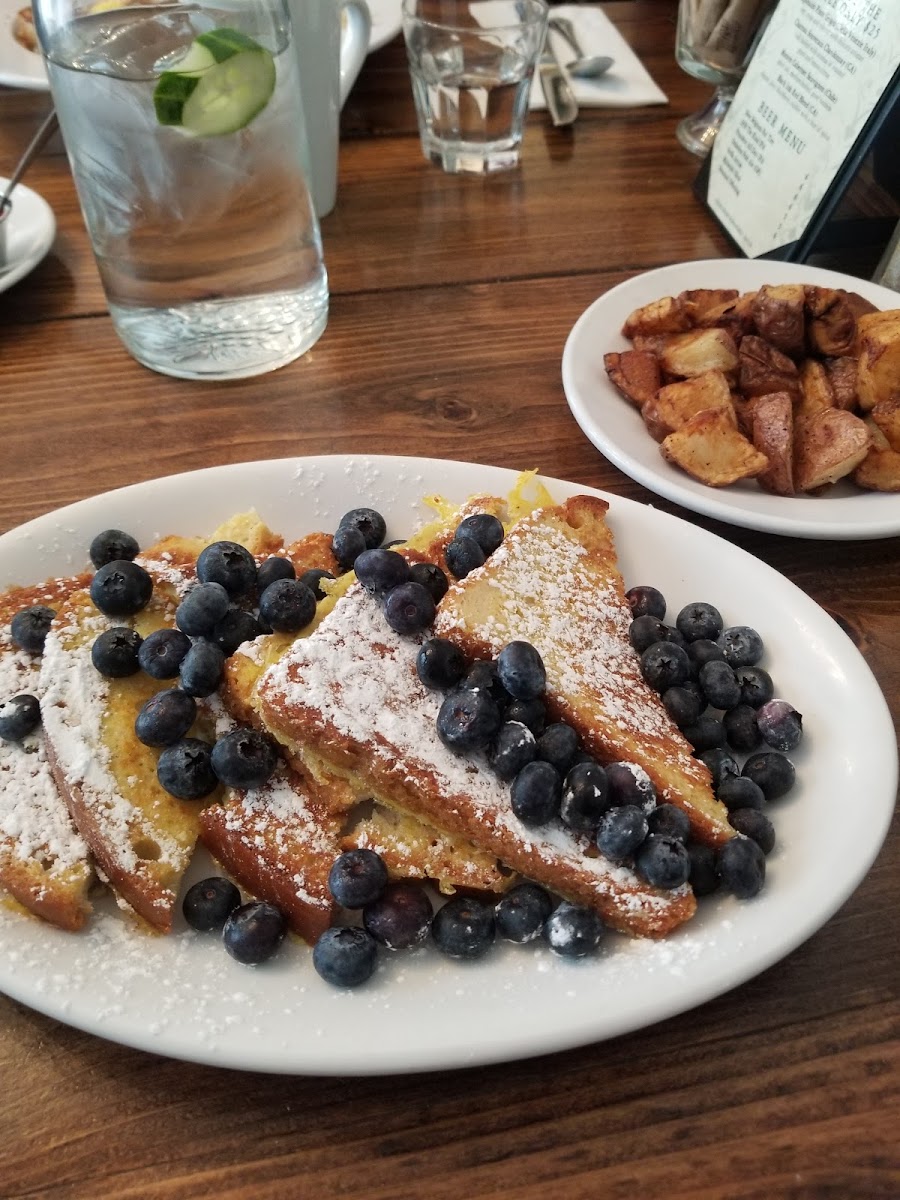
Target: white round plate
x,y
30,230
386,22
616,429
18,67
183,996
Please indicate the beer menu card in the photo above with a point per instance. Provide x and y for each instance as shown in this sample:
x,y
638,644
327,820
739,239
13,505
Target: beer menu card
x,y
817,76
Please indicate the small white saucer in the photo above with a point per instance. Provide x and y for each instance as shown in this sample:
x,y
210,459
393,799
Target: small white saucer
x,y
30,230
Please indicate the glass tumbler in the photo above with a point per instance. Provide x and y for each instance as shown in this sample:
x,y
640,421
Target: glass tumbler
x,y
715,42
471,63
184,129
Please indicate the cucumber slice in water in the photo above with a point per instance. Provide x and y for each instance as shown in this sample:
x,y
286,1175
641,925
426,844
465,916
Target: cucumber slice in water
x,y
223,81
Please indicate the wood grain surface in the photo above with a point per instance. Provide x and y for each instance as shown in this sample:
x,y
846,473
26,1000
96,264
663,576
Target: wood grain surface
x,y
451,301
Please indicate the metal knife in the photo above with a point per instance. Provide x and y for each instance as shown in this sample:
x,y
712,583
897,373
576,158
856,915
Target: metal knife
x,y
561,103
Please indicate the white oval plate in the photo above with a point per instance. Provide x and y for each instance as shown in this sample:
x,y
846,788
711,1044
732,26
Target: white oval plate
x,y
616,429
184,997
30,230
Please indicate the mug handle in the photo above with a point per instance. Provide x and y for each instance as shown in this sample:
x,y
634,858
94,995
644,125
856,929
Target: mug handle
x,y
356,26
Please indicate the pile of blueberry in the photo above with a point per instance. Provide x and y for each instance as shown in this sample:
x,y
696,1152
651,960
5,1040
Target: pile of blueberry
x,y
711,684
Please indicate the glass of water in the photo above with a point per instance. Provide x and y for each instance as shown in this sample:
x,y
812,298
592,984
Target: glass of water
x,y
184,130
471,63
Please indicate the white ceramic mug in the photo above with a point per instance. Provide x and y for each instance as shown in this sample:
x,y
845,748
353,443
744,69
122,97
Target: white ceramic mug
x,y
331,38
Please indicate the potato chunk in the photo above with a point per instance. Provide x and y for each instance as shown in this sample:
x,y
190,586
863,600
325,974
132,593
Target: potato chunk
x,y
831,329
764,369
816,391
635,373
827,446
699,351
772,421
710,448
780,317
659,316
698,302
674,404
886,416
878,368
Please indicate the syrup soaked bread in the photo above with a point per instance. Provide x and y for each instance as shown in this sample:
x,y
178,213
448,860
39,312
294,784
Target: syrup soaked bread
x,y
348,699
555,582
44,861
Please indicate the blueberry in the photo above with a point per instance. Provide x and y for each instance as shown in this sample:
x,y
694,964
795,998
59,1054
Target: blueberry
x,y
558,745
161,653
703,651
115,652
347,545
463,928
670,822
720,687
482,677
664,665
276,567
287,605
380,570
468,720
201,609
644,600
244,758
707,733
19,716
738,792
741,867
231,565
520,914
741,731
573,931
185,771
409,608
368,522
313,580
254,931
677,638
513,748
165,718
30,626
772,772
536,793
682,705
621,831
345,957
531,713
755,825
756,685
720,763
630,784
663,861
112,545
483,528
202,669
401,916
209,903
440,664
780,725
431,577
699,620
463,555
585,796
235,628
121,588
521,670
742,646
645,631
703,877
357,877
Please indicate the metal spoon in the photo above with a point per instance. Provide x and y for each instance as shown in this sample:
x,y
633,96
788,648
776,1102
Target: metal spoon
x,y
584,66
37,143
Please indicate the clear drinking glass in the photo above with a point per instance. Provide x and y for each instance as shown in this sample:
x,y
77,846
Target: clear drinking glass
x,y
471,64
714,42
184,130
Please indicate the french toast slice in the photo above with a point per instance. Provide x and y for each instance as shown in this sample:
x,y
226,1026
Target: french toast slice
x,y
555,582
44,862
348,698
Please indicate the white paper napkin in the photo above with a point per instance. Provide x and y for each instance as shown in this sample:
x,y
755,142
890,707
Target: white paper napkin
x,y
627,84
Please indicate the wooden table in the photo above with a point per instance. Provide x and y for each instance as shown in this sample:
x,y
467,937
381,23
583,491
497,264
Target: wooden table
x,y
452,299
